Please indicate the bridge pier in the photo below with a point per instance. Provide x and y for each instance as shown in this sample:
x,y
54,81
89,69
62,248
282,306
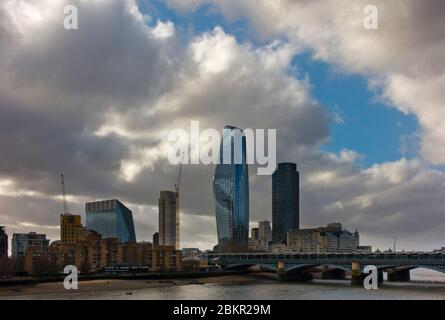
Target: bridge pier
x,y
302,275
398,276
281,270
357,276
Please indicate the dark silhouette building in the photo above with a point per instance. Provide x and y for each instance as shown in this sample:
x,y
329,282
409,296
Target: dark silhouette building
x,y
254,234
156,239
285,201
3,242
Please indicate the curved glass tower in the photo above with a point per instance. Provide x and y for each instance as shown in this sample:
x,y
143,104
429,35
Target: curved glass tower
x,y
231,190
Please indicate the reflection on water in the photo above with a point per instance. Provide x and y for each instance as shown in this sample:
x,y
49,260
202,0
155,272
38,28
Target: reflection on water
x,y
328,290
427,275
425,284
333,290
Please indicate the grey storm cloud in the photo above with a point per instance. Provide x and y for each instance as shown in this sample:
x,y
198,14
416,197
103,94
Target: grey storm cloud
x,y
97,104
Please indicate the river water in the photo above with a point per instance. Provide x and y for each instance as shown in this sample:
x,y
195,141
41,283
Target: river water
x,y
424,285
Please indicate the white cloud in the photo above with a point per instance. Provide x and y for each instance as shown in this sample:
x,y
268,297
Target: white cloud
x,y
97,105
164,29
404,57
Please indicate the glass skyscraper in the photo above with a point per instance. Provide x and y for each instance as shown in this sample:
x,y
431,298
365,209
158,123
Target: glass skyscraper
x,y
111,219
285,201
231,190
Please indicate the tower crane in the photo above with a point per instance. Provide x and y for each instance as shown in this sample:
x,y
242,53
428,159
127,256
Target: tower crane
x,y
65,205
178,183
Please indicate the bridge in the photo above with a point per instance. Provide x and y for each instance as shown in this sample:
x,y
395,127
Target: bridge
x,y
333,265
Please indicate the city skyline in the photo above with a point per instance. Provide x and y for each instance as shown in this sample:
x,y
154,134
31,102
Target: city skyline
x,y
356,109
111,219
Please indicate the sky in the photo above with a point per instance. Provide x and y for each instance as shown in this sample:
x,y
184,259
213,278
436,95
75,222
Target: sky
x,y
360,111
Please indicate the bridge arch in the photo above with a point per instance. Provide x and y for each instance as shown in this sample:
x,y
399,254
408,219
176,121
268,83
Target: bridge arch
x,y
428,267
244,266
338,267
300,268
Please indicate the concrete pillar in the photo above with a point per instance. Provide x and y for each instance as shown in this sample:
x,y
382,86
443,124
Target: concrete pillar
x,y
356,277
281,270
379,276
398,276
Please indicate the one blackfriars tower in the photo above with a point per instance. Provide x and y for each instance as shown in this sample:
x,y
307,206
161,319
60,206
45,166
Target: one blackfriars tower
x,y
285,201
231,190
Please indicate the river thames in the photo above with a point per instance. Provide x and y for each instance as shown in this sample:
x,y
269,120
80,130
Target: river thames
x,y
424,285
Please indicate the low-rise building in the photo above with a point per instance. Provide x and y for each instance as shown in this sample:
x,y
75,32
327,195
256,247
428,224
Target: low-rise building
x,y
137,253
166,258
332,238
22,241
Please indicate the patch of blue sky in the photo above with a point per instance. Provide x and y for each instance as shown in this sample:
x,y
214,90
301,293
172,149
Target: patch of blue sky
x,y
360,122
203,19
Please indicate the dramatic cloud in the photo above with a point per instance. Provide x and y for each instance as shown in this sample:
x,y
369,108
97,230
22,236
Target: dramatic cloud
x,y
403,58
97,104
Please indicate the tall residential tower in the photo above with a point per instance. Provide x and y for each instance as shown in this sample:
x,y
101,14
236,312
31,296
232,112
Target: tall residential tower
x,y
169,219
231,190
285,201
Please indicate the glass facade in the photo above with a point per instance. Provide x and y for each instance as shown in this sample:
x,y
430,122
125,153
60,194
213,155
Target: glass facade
x,y
22,241
285,201
231,190
111,219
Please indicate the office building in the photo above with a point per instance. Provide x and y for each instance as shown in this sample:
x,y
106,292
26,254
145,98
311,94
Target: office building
x,y
3,242
111,219
285,201
254,234
166,259
332,238
260,238
156,239
137,254
190,252
70,228
231,191
169,219
21,242
264,233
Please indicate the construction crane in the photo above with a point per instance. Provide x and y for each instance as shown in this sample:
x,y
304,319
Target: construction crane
x,y
65,205
177,185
